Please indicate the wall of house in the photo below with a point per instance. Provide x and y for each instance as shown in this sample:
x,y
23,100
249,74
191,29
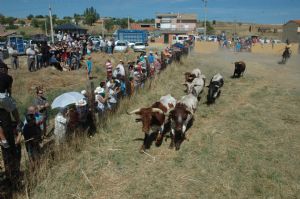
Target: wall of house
x,y
290,32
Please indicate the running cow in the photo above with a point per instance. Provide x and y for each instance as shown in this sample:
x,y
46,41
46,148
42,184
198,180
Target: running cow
x,y
196,86
154,119
181,117
214,88
190,76
239,69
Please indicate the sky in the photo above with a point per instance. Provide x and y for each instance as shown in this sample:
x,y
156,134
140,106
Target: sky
x,y
255,11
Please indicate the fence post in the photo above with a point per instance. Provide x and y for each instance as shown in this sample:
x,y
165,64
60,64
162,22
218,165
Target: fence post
x,y
92,99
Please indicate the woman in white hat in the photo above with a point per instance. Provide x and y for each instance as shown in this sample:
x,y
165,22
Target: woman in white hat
x,y
100,99
82,110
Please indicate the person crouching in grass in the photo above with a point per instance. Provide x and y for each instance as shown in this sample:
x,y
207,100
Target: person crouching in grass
x,y
89,65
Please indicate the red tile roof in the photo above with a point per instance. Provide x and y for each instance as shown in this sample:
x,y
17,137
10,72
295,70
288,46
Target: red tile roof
x,y
296,21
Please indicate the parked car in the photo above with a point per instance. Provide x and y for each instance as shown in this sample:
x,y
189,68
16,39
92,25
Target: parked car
x,y
95,38
277,41
212,38
95,41
138,47
121,46
130,44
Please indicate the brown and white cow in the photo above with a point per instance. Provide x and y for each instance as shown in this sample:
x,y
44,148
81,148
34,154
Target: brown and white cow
x,y
154,119
190,76
239,69
180,117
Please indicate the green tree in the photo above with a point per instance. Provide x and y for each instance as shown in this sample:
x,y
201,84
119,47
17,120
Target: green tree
x,y
77,18
22,22
34,23
39,16
29,17
209,28
90,16
109,24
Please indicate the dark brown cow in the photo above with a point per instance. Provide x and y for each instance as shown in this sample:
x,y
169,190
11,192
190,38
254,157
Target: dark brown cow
x,y
181,117
239,69
152,118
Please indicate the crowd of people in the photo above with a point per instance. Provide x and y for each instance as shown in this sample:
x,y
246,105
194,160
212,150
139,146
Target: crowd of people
x,y
121,80
65,54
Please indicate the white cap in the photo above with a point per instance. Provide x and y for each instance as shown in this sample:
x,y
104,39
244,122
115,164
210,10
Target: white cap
x,y
83,92
99,90
81,102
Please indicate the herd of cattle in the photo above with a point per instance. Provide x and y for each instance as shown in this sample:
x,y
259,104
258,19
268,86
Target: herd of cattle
x,y
175,117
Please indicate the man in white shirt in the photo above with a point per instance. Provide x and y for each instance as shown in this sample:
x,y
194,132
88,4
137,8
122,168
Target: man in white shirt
x,y
13,53
59,36
120,70
30,52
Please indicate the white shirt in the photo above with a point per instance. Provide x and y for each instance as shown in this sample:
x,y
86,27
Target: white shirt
x,y
59,37
120,69
31,53
60,127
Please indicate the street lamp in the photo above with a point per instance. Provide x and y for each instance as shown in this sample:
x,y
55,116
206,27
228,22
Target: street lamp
x,y
205,5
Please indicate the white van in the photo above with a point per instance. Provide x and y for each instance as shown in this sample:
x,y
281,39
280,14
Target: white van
x,y
179,38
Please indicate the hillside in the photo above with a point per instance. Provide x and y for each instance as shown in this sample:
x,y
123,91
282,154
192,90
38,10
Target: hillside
x,y
244,146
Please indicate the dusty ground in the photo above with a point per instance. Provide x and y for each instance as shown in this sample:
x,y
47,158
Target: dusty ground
x,y
244,146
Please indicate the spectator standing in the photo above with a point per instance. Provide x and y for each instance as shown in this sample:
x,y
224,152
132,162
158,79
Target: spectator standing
x,y
120,71
60,126
42,107
6,101
151,60
109,68
13,57
100,99
82,110
89,65
109,47
102,45
30,52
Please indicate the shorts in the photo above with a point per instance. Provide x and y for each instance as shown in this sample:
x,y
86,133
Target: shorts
x,y
7,103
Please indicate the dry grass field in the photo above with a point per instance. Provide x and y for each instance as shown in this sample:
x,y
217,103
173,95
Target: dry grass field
x,y
244,146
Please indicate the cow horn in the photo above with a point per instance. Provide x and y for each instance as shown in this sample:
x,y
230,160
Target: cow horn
x,y
134,111
157,110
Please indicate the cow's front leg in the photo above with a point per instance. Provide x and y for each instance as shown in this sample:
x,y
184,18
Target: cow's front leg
x,y
172,139
145,142
159,136
184,126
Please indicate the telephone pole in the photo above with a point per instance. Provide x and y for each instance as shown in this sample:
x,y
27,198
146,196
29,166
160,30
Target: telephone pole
x,y
46,31
51,24
128,23
205,10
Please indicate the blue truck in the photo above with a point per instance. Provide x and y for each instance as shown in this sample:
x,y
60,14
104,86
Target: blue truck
x,y
17,41
133,36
